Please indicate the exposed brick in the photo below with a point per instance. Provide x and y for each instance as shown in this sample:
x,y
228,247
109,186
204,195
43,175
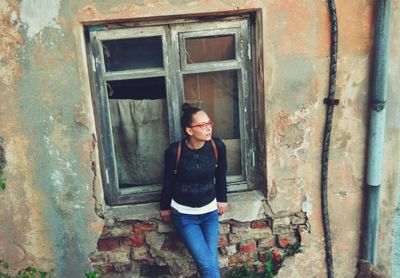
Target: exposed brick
x,y
281,229
283,221
267,242
108,244
240,258
247,246
234,238
121,256
106,268
122,267
240,227
231,250
296,220
163,227
249,234
224,228
143,227
259,233
222,241
97,258
285,241
116,231
259,224
141,254
172,243
277,255
135,240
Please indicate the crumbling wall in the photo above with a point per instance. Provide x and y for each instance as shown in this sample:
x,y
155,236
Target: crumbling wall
x,y
152,248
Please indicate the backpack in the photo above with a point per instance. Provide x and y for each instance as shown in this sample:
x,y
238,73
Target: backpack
x,y
178,155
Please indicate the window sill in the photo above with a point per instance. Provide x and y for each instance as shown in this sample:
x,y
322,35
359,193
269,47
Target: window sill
x,y
243,206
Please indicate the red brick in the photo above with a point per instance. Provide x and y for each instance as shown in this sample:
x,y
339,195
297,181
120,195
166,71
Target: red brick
x,y
108,269
143,227
259,224
247,246
240,258
277,256
135,240
285,241
108,244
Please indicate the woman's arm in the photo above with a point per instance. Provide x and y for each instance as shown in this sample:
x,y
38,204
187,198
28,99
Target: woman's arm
x,y
166,193
220,177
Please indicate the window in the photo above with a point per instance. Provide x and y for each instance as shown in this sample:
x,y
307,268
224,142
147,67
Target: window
x,y
141,77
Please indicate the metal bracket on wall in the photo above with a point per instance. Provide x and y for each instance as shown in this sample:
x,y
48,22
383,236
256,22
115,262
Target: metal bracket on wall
x,y
331,102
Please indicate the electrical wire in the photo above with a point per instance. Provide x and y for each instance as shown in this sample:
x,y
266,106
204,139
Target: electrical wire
x,y
330,101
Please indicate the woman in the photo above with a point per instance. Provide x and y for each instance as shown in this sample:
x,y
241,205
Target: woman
x,y
194,190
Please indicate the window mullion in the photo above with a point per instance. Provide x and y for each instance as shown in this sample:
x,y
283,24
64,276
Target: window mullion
x,y
109,176
178,92
247,97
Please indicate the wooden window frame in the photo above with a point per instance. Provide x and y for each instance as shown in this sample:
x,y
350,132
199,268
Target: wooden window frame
x,y
175,67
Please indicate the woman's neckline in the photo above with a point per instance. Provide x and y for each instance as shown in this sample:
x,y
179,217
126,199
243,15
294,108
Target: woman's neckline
x,y
193,149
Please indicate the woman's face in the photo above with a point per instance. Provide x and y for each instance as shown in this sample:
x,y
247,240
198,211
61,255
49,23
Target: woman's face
x,y
197,131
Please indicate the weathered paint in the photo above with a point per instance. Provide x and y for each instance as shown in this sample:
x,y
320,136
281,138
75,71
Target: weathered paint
x,y
47,123
39,14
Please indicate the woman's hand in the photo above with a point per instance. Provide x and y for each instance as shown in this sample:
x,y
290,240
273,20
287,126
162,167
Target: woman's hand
x,y
166,215
222,207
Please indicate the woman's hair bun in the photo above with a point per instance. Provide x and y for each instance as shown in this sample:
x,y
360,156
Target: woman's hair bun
x,y
186,107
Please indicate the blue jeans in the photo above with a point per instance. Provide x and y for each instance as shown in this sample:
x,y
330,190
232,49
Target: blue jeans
x,y
200,235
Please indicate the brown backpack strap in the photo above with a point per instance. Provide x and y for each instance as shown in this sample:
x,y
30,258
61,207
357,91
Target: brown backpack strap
x,y
215,151
178,157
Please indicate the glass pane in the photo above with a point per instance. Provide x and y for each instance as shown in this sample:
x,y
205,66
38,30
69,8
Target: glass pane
x,y
130,54
207,49
144,88
139,120
217,94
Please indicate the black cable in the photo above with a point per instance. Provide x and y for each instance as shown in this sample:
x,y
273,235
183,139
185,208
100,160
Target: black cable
x,y
330,102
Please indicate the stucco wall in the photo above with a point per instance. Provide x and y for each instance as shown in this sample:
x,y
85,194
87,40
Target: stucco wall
x,y
47,124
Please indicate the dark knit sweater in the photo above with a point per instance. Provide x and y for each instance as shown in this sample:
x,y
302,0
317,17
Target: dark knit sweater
x,y
198,181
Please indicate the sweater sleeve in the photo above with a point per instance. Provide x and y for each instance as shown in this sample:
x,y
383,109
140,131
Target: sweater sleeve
x,y
220,173
169,167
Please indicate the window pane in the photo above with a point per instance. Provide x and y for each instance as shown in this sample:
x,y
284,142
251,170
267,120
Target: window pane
x,y
144,88
217,94
139,120
207,49
130,54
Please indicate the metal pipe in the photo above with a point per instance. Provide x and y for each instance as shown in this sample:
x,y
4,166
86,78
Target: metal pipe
x,y
377,128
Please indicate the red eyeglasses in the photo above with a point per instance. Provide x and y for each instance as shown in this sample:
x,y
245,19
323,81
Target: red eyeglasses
x,y
204,126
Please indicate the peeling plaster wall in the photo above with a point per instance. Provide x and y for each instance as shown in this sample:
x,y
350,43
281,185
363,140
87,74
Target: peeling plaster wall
x,y
48,206
47,123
